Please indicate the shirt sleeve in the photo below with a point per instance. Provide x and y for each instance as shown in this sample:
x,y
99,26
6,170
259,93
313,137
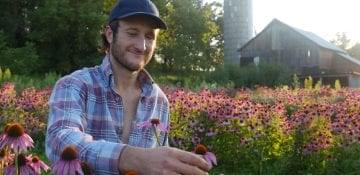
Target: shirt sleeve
x,y
66,126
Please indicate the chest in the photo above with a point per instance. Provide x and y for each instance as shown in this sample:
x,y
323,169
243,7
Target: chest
x,y
114,117
130,102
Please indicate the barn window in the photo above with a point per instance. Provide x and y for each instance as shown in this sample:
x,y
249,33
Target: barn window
x,y
256,60
308,53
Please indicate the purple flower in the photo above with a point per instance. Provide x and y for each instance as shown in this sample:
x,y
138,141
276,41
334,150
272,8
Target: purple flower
x,y
154,122
5,157
68,163
24,167
38,164
208,156
16,138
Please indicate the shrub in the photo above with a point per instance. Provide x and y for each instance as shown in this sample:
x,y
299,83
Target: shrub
x,y
251,75
22,60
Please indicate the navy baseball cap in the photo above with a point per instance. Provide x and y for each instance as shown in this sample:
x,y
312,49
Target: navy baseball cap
x,y
127,8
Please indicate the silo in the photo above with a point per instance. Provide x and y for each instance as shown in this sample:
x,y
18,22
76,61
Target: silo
x,y
238,28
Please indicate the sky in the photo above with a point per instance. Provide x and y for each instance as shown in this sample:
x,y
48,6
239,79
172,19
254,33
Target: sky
x,y
323,17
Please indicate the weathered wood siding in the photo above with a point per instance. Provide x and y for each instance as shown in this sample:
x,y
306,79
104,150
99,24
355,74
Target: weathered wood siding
x,y
342,65
281,45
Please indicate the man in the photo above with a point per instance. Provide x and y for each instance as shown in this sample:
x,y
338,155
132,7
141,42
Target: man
x,y
99,109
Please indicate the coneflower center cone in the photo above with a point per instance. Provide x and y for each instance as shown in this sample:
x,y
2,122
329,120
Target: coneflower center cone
x,y
200,149
15,130
69,153
155,121
35,159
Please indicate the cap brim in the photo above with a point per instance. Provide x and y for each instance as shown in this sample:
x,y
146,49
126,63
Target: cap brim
x,y
158,22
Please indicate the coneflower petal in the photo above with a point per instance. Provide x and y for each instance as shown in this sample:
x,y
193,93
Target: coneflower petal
x,y
78,168
211,156
145,124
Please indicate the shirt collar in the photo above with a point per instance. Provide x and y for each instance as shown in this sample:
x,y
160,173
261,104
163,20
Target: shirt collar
x,y
146,81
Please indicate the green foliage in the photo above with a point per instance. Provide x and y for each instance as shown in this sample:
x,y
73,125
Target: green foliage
x,y
354,51
318,85
346,160
191,42
18,59
291,109
229,76
254,149
6,74
66,34
249,76
22,81
337,85
296,82
308,83
62,36
302,160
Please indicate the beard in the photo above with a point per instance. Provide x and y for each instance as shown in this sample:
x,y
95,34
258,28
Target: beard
x,y
118,54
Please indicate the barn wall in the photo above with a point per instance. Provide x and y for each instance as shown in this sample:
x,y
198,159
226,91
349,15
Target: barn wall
x,y
282,45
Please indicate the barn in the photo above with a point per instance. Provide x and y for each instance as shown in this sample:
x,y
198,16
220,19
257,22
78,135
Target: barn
x,y
303,52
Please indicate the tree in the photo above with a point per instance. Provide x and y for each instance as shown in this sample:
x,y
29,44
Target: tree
x,y
354,51
341,40
67,34
21,60
191,42
16,51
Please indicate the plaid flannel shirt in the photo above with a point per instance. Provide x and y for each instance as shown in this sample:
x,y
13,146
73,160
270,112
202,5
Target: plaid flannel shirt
x,y
86,112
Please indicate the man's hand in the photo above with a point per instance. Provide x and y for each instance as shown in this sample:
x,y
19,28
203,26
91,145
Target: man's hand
x,y
162,160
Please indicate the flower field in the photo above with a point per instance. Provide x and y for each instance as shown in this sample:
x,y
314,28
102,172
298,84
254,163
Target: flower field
x,y
261,131
266,131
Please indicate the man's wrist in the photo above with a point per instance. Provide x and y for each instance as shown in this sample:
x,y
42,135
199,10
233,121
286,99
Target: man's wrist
x,y
130,158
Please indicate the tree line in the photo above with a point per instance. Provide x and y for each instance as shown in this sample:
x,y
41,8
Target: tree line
x,y
342,41
43,36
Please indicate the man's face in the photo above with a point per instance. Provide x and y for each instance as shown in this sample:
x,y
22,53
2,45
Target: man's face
x,y
134,43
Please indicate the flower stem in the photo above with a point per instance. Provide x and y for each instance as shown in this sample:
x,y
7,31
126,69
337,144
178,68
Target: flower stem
x,y
164,141
17,163
156,135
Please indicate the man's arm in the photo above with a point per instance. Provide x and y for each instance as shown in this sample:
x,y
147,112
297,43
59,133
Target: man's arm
x,y
66,126
162,160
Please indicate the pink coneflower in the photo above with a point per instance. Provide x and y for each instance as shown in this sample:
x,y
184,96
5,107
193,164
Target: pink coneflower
x,y
38,164
156,125
24,167
68,163
5,157
154,122
16,138
208,156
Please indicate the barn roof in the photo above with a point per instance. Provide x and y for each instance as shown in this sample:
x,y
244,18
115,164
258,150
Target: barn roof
x,y
348,57
319,41
310,36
